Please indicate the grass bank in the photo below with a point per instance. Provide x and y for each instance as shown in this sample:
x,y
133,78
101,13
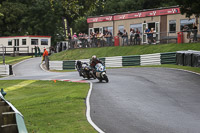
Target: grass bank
x,y
13,60
85,53
48,106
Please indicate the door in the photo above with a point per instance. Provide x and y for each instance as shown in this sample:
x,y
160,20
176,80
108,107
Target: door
x,y
157,30
144,36
101,30
16,48
91,30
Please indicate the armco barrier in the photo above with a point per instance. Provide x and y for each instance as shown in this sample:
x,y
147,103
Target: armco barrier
x,y
56,65
113,61
131,60
67,65
120,61
150,59
12,120
4,70
168,58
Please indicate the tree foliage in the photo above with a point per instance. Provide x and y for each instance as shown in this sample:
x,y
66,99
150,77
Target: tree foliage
x,y
45,17
189,7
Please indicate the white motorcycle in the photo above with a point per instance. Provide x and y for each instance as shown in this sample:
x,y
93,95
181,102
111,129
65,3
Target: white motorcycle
x,y
101,72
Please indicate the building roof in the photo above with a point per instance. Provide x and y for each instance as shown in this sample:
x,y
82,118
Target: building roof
x,y
27,36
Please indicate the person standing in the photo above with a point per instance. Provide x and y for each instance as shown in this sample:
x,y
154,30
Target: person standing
x,y
44,54
125,37
39,53
195,33
147,31
137,37
35,51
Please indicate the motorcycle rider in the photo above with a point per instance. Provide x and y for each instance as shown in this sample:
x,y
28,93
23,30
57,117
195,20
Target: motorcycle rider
x,y
94,61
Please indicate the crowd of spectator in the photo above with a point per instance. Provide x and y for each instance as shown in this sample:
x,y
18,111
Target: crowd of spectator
x,y
95,39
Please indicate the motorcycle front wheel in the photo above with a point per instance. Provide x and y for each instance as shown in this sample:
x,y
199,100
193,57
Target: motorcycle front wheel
x,y
106,78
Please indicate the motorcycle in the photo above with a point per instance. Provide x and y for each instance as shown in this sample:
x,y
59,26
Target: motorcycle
x,y
84,70
101,72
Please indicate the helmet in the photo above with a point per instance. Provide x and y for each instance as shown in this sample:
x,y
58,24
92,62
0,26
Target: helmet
x,y
94,57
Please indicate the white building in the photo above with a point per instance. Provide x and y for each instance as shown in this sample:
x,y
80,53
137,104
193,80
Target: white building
x,y
24,44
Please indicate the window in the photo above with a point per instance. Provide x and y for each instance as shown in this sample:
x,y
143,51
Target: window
x,y
172,26
44,41
108,28
34,41
136,26
23,41
9,42
187,22
121,28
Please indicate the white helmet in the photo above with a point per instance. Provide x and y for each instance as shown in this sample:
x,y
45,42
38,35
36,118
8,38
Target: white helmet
x,y
94,57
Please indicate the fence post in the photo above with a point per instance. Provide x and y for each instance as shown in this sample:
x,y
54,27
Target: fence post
x,y
47,62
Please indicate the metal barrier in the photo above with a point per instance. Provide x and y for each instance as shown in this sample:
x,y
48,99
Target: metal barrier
x,y
120,61
12,120
4,70
15,50
143,38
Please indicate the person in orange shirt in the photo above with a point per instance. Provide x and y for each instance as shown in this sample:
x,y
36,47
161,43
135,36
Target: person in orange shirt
x,y
44,54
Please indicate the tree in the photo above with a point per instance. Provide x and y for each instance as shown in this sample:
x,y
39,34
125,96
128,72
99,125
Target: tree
x,y
189,7
11,18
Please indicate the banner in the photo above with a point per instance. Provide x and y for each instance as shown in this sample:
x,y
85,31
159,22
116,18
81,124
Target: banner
x,y
141,14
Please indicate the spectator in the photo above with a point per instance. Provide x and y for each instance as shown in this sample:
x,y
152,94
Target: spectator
x,y
152,32
187,29
75,40
132,32
119,33
195,33
137,37
147,31
108,36
125,37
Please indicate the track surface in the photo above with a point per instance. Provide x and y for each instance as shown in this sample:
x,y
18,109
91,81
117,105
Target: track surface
x,y
136,100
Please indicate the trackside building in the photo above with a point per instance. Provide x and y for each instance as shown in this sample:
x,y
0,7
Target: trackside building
x,y
165,21
24,44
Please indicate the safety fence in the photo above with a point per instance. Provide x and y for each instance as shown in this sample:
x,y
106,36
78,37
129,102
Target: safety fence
x,y
12,121
14,50
140,39
121,61
6,70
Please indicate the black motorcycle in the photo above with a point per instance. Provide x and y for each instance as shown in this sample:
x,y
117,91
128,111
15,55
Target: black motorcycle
x,y
84,70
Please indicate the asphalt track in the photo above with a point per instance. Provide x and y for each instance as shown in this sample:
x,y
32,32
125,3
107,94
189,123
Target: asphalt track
x,y
136,100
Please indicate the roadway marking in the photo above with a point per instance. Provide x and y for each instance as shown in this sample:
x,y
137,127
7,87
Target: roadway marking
x,y
20,85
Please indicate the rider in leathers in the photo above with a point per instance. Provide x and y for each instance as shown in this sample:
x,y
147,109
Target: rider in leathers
x,y
93,63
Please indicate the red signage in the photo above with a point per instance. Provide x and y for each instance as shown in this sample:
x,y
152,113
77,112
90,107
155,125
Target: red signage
x,y
100,19
135,15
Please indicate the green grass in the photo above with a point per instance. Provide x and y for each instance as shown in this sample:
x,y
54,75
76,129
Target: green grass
x,y
85,53
13,60
50,107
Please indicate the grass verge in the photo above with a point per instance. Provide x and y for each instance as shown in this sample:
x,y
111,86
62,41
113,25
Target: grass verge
x,y
13,60
86,53
48,106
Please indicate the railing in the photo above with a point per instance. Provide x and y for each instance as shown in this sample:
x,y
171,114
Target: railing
x,y
12,121
14,50
143,38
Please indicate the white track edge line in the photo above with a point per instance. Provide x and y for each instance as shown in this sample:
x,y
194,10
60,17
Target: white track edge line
x,y
88,110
